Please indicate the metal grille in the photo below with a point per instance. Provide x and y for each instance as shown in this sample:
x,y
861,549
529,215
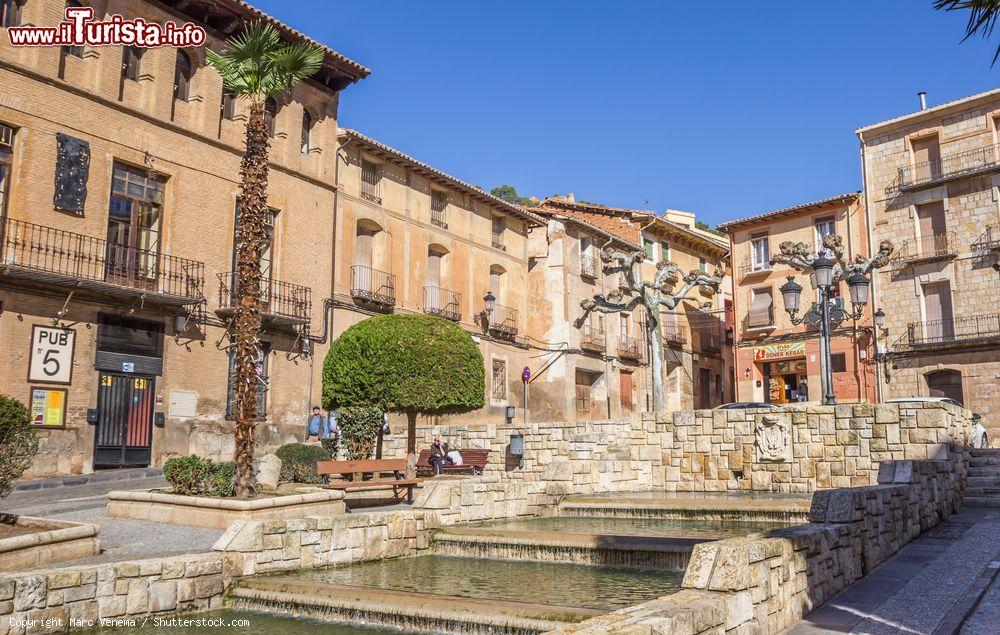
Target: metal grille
x,y
370,182
503,320
630,348
277,299
962,329
929,247
443,303
439,204
499,380
949,166
372,285
588,267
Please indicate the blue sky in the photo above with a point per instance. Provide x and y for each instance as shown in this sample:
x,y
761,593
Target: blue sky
x,y
743,108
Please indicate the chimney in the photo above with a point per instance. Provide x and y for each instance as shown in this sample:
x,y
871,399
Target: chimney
x,y
923,100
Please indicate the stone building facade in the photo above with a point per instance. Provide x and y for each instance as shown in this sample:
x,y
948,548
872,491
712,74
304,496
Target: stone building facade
x,y
931,179
118,210
697,339
775,359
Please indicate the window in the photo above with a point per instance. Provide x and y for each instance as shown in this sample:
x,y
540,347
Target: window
x,y
70,51
131,62
439,204
926,158
825,226
134,214
664,251
129,336
270,114
945,383
649,247
228,105
498,391
10,12
702,265
760,252
182,76
307,125
499,225
761,309
262,381
6,163
496,281
266,253
838,363
371,177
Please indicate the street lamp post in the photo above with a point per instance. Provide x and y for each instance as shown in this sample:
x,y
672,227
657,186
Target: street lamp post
x,y
828,267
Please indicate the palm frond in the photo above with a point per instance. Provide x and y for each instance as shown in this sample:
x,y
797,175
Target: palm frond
x,y
983,15
291,64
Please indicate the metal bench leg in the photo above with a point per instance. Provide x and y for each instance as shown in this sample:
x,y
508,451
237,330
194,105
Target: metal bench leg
x,y
409,494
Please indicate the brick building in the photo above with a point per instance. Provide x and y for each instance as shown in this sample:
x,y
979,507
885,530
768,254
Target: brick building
x,y
119,172
774,358
931,180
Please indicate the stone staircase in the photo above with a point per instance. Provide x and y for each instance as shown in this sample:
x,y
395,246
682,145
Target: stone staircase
x,y
983,485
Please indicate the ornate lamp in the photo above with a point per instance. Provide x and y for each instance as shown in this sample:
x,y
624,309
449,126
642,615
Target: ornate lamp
x,y
858,284
823,269
791,294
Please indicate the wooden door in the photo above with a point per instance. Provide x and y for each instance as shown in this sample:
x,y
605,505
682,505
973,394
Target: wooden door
x,y
626,391
932,228
938,325
926,159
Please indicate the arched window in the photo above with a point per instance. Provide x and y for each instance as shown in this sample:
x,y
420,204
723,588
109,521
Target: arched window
x,y
307,125
270,114
945,383
10,12
131,62
183,69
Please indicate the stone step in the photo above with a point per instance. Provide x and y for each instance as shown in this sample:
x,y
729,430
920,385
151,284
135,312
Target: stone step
x,y
985,451
984,462
684,506
982,501
982,491
985,471
984,481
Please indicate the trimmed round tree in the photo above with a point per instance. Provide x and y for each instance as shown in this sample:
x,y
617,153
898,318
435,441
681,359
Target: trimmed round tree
x,y
412,364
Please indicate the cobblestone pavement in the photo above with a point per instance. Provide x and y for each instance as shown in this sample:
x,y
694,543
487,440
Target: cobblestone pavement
x,y
929,587
121,539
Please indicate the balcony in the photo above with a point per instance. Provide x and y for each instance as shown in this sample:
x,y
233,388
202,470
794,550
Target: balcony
x,y
947,168
443,303
988,242
498,242
751,268
951,332
592,339
630,348
40,254
281,303
941,246
372,286
674,336
438,217
710,340
589,267
501,320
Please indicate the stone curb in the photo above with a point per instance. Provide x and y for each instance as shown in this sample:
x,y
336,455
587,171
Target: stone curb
x,y
108,476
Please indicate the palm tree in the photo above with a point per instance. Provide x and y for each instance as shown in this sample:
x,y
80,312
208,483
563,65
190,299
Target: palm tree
x,y
983,16
255,65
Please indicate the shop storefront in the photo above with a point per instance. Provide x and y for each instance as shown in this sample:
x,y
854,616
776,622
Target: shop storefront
x,y
783,367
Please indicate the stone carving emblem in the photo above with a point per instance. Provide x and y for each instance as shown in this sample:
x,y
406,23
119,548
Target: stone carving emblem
x,y
773,441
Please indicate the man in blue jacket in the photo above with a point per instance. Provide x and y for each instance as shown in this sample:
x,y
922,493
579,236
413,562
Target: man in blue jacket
x,y
318,426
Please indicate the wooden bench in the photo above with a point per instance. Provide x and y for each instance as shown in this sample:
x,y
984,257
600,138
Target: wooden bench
x,y
473,462
396,467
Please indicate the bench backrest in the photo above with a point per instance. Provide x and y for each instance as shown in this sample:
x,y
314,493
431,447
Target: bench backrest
x,y
360,467
469,457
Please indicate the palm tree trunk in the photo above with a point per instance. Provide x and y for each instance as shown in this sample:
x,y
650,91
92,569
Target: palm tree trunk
x,y
250,238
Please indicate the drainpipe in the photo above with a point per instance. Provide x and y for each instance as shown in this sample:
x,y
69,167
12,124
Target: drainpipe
x,y
874,282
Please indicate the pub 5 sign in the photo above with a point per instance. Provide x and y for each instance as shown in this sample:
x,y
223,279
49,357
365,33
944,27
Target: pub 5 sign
x,y
51,355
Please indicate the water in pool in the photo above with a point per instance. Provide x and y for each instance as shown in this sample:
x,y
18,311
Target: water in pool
x,y
246,623
637,526
573,585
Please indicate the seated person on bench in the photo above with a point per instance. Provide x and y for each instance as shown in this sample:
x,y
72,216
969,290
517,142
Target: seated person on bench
x,y
439,455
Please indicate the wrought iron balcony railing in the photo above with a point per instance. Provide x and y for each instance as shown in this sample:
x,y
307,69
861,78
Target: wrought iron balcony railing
x,y
280,301
439,217
588,267
373,286
959,164
674,336
988,241
55,256
630,348
501,319
958,330
926,248
443,303
498,242
710,340
749,268
592,339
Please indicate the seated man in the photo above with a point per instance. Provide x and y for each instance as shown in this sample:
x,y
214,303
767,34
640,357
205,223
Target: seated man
x,y
439,455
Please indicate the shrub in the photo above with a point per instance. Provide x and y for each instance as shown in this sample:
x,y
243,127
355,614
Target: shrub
x,y
196,476
18,442
413,364
359,428
331,445
298,462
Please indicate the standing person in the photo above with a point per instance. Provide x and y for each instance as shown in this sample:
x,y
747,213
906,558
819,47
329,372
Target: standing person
x,y
318,426
803,390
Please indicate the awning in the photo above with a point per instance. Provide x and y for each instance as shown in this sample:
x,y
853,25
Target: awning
x,y
760,310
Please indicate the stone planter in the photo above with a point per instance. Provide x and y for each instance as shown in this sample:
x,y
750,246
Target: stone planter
x,y
55,541
218,513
